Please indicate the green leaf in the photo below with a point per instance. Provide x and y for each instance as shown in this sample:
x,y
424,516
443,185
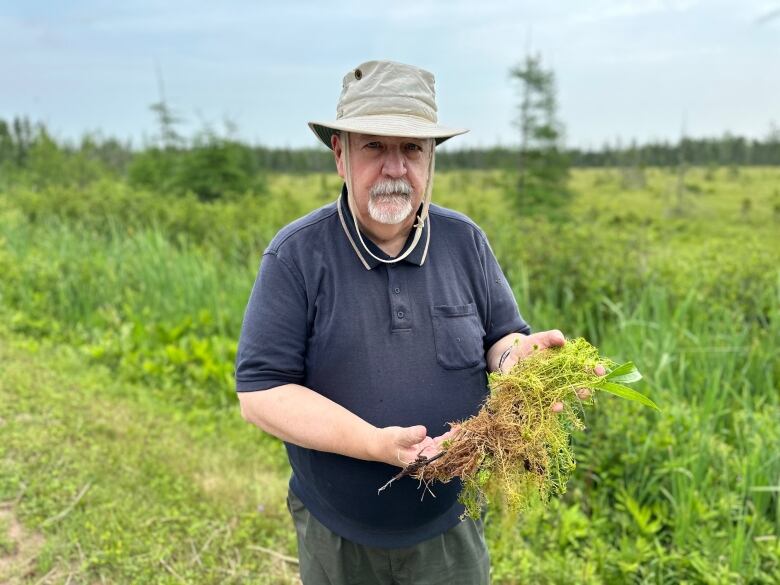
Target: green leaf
x,y
624,374
625,392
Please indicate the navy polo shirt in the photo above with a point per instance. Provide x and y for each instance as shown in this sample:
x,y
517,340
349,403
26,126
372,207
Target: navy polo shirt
x,y
397,344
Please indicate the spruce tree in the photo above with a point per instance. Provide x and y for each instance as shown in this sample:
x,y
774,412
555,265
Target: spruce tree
x,y
543,162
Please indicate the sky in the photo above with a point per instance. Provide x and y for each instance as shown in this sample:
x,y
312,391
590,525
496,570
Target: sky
x,y
625,70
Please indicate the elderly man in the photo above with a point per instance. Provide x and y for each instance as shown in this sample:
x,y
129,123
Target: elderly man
x,y
370,326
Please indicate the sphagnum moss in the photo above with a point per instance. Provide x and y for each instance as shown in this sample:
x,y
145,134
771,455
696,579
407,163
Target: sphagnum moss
x,y
517,443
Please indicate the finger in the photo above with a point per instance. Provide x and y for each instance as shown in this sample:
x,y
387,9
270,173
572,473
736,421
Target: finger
x,y
427,448
553,338
412,435
454,431
439,441
599,370
557,407
441,438
424,443
583,393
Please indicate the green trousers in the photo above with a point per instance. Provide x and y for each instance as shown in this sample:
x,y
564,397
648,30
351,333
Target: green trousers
x,y
457,557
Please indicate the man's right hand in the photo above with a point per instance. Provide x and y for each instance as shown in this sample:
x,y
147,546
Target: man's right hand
x,y
401,445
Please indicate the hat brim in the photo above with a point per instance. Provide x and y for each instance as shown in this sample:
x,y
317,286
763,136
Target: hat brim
x,y
385,125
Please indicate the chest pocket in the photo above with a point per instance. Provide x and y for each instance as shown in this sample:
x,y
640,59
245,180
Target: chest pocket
x,y
457,332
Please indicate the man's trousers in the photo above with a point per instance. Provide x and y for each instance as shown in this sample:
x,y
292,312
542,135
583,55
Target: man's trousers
x,y
457,557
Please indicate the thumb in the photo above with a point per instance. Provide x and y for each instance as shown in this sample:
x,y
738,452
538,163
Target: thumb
x,y
412,435
555,338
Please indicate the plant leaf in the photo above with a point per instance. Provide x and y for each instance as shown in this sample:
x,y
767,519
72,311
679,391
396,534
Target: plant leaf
x,y
624,374
625,392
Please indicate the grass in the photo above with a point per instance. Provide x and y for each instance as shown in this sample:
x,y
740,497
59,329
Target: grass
x,y
161,500
121,439
675,491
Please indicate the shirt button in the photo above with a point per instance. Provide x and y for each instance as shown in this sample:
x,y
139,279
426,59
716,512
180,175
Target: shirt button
x,y
396,290
400,314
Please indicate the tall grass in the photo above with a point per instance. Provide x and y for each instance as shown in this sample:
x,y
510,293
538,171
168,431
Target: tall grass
x,y
157,291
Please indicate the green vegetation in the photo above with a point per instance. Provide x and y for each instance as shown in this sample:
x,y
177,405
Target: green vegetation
x,y
519,443
128,489
122,447
19,138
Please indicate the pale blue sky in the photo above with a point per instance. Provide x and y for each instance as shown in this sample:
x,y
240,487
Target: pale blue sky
x,y
633,70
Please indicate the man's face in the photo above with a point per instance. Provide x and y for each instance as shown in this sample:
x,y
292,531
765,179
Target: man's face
x,y
389,175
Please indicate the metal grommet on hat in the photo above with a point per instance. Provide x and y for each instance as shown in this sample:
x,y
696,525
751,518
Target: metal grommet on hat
x,y
358,74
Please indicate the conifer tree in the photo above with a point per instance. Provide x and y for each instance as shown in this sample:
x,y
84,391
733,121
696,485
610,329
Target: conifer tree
x,y
543,164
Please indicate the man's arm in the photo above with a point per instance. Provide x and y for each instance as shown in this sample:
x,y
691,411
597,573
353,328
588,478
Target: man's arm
x,y
299,415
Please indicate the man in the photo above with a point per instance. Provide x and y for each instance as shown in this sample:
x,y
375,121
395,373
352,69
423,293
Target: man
x,y
371,325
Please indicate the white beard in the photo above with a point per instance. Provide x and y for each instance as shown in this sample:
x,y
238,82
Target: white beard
x,y
390,209
390,202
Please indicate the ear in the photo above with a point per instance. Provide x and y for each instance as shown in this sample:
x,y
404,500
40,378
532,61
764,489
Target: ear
x,y
338,153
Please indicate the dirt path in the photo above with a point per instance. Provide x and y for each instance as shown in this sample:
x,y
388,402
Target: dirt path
x,y
18,547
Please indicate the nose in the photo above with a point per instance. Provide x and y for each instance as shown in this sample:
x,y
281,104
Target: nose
x,y
394,164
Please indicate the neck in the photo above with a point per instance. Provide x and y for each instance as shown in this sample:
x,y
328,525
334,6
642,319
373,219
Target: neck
x,y
389,238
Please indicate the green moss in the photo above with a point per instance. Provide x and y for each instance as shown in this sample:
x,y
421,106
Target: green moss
x,y
517,445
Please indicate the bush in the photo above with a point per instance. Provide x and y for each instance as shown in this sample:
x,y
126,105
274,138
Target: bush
x,y
211,169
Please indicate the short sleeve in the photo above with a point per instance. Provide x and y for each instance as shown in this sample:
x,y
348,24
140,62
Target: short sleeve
x,y
503,316
272,346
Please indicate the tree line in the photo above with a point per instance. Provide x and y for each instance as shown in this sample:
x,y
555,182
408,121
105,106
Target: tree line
x,y
210,164
726,150
20,136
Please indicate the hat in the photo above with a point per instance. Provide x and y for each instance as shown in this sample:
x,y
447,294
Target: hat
x,y
384,98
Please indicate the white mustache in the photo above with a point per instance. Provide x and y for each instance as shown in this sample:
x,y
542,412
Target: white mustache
x,y
391,187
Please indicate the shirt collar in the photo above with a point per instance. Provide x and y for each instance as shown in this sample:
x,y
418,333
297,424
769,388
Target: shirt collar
x,y
416,257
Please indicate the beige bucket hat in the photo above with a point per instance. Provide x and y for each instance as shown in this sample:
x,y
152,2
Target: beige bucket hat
x,y
385,98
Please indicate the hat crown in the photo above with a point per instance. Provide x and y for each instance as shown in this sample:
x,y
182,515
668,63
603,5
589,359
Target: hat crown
x,y
387,88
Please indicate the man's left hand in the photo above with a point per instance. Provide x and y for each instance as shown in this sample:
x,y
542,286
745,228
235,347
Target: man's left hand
x,y
525,345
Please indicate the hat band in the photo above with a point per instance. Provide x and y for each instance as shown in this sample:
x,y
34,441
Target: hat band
x,y
412,105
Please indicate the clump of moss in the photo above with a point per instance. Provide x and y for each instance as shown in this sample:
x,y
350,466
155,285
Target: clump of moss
x,y
518,443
